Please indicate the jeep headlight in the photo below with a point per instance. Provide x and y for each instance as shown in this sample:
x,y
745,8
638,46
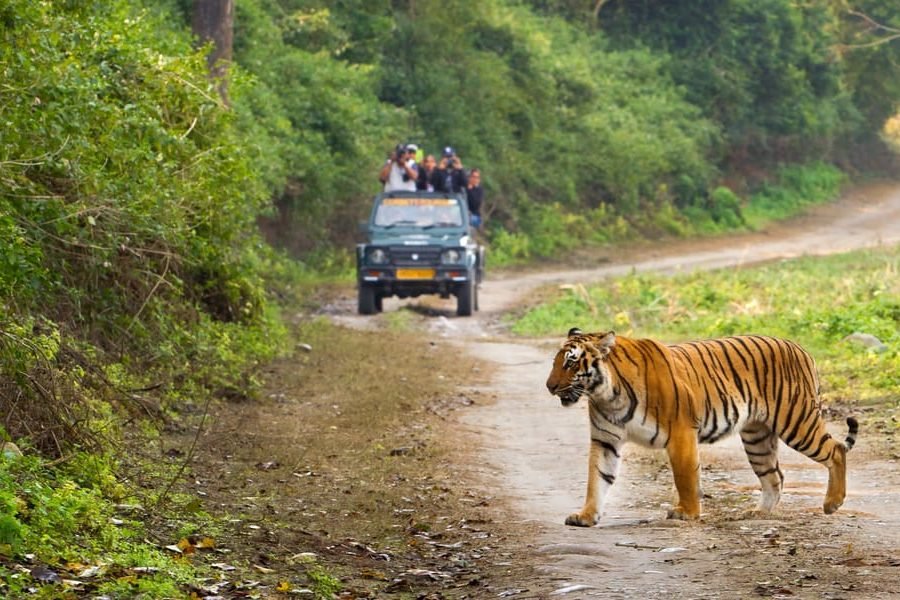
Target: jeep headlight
x,y
451,256
378,256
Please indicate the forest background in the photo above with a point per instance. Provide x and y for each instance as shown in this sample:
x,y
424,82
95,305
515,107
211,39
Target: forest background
x,y
152,231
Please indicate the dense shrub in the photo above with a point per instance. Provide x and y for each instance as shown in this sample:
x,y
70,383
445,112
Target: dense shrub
x,y
129,205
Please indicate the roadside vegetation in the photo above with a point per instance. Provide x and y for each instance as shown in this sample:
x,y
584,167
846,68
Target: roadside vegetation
x,y
819,302
134,286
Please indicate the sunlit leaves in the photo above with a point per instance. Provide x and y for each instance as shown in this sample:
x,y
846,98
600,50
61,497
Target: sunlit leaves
x,y
891,132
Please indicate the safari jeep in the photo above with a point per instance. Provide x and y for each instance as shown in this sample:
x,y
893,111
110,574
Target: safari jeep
x,y
419,243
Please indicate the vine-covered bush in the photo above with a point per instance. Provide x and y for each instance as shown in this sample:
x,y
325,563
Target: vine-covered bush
x,y
128,206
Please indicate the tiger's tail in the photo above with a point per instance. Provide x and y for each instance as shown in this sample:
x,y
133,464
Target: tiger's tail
x,y
853,429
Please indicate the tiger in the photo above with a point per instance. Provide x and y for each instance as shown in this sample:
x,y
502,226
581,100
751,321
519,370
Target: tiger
x,y
677,396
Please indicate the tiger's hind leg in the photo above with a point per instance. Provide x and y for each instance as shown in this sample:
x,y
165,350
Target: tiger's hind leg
x,y
817,444
761,446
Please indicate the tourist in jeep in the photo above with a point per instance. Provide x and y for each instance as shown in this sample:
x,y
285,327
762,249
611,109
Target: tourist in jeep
x,y
449,177
427,170
475,197
399,172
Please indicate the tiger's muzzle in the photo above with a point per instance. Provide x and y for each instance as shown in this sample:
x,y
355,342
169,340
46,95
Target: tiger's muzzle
x,y
560,385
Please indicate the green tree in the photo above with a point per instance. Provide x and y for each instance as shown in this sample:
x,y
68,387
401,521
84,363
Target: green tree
x,y
870,47
766,70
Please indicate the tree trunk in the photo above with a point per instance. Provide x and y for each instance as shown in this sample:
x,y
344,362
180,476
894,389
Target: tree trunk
x,y
213,21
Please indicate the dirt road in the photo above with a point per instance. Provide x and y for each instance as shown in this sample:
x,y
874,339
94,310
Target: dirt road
x,y
535,455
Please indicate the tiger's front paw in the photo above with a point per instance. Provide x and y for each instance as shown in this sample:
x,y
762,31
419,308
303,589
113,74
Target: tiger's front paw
x,y
681,514
582,520
831,506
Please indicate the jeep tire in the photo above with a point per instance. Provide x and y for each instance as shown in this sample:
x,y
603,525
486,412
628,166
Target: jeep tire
x,y
367,301
465,299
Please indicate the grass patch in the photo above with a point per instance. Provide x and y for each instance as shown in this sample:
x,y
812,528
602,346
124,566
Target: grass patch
x,y
399,320
794,189
73,531
817,302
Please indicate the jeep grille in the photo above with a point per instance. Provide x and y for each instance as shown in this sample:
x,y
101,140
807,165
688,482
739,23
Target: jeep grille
x,y
402,256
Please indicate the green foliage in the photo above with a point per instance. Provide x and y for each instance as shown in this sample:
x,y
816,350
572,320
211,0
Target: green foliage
x,y
122,172
871,58
323,584
313,120
129,206
725,208
843,294
554,231
48,513
639,115
765,69
129,201
555,105
647,98
796,188
521,96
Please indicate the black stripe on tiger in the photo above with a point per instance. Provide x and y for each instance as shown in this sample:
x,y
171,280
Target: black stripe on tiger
x,y
608,448
852,430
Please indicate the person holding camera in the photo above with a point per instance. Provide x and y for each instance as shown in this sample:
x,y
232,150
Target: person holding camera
x,y
399,172
449,176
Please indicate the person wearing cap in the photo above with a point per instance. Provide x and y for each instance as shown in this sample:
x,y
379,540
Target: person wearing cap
x,y
399,172
449,177
413,151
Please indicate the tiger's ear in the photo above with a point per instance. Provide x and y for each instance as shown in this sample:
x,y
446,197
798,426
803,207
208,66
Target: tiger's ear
x,y
606,343
573,332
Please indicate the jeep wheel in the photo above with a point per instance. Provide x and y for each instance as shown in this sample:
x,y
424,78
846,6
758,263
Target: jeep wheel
x,y
379,304
465,299
367,305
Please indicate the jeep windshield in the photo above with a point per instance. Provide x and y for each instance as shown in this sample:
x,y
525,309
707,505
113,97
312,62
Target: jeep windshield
x,y
424,213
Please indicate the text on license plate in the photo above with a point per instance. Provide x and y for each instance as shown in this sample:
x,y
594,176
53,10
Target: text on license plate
x,y
415,273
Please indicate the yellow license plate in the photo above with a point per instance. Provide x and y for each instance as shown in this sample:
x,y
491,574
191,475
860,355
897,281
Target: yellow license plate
x,y
415,273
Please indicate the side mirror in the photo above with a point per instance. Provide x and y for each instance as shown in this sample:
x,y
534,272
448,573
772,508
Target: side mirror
x,y
363,226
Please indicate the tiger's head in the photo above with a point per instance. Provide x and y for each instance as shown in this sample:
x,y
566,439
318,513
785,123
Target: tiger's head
x,y
580,367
